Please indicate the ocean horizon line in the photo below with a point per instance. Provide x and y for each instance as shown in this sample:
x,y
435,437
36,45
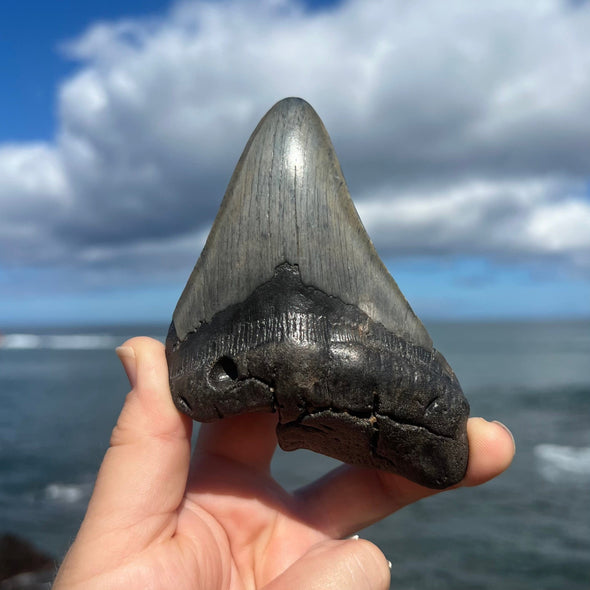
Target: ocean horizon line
x,y
88,336
12,326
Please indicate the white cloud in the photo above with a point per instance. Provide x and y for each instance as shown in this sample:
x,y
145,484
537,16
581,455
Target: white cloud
x,y
504,219
31,175
33,191
560,227
462,128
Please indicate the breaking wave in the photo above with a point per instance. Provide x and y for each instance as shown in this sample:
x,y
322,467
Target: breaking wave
x,y
67,493
559,462
58,341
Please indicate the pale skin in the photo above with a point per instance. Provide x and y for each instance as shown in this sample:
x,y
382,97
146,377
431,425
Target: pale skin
x,y
159,519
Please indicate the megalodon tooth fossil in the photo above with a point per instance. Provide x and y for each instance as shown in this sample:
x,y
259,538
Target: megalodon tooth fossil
x,y
289,309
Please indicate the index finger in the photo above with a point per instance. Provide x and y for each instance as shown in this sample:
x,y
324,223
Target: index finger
x,y
249,440
351,498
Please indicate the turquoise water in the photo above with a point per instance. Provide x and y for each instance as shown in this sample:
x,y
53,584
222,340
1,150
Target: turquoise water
x,y
61,391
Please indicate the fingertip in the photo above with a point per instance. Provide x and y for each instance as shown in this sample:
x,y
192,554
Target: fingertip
x,y
491,450
143,342
126,355
376,568
143,347
373,569
150,365
506,429
149,408
351,564
135,349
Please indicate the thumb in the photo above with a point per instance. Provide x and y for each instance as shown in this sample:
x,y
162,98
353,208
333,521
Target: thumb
x,y
354,564
143,475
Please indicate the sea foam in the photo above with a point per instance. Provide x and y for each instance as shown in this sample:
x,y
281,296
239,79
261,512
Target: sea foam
x,y
559,462
67,493
19,341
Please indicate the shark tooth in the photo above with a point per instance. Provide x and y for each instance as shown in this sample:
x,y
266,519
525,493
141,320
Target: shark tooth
x,y
289,309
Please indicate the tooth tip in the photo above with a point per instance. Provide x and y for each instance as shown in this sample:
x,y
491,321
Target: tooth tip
x,y
291,139
290,104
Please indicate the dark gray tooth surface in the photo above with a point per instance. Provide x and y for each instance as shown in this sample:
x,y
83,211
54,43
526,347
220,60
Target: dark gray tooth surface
x,y
290,309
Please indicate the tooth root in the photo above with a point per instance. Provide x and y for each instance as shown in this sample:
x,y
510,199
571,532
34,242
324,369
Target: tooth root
x,y
288,202
290,309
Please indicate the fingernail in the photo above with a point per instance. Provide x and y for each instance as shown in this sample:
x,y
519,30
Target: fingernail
x,y
126,355
507,430
354,537
389,564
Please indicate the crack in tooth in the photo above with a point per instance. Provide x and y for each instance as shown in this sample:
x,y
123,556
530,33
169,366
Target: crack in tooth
x,y
375,423
372,416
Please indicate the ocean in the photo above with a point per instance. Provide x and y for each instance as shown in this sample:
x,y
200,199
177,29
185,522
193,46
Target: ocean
x,y
62,389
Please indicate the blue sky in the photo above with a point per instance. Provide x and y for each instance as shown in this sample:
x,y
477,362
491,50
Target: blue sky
x,y
462,131
31,33
32,64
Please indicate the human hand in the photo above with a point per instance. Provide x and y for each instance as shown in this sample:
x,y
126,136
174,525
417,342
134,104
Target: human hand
x,y
158,519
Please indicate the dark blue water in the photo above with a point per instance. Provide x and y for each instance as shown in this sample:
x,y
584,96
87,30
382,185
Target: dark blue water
x,y
61,392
